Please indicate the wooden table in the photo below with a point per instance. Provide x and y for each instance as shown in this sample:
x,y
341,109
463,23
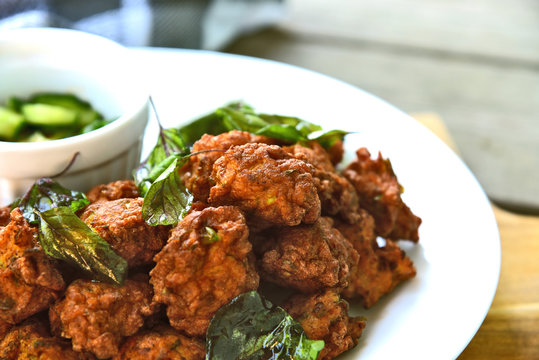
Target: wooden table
x,y
511,328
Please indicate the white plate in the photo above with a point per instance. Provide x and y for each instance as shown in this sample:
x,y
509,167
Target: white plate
x,y
433,316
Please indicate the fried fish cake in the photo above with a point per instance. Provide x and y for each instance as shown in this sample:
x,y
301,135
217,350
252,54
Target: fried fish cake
x,y
380,193
206,262
31,340
380,268
160,343
121,189
120,223
324,316
267,184
308,257
97,316
4,215
337,195
29,279
196,173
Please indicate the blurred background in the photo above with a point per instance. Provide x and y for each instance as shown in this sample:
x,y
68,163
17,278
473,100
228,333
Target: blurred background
x,y
473,64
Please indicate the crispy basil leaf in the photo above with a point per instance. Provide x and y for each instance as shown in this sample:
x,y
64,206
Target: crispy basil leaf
x,y
46,194
169,143
328,139
252,328
304,127
64,236
287,133
239,116
209,124
167,200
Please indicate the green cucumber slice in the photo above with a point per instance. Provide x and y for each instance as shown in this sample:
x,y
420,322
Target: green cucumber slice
x,y
10,123
48,115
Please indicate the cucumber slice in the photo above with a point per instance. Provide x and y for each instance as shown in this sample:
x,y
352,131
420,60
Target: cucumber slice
x,y
68,101
10,123
87,117
14,104
48,115
85,113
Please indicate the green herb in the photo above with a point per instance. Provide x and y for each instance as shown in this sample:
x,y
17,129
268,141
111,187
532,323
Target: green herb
x,y
46,194
169,144
210,236
64,236
329,138
167,200
252,328
239,116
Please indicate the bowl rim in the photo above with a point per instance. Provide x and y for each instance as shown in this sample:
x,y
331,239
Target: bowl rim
x,y
139,100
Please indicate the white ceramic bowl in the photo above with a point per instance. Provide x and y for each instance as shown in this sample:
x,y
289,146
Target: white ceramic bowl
x,y
95,69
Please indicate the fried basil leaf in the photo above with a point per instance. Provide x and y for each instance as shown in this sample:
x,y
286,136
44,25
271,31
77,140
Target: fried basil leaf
x,y
209,124
252,328
329,138
167,200
64,236
169,143
46,194
239,116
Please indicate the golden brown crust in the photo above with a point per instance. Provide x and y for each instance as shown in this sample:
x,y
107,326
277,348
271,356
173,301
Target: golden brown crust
x,y
4,215
324,316
380,194
113,191
120,223
267,184
29,280
32,341
380,268
337,195
97,316
308,258
160,343
199,270
196,173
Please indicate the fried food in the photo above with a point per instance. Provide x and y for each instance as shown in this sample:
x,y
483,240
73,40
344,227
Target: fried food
x,y
262,209
196,173
97,316
336,152
120,223
324,316
337,195
267,184
312,153
160,343
29,280
31,340
4,328
308,257
380,268
206,262
380,193
115,190
4,215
